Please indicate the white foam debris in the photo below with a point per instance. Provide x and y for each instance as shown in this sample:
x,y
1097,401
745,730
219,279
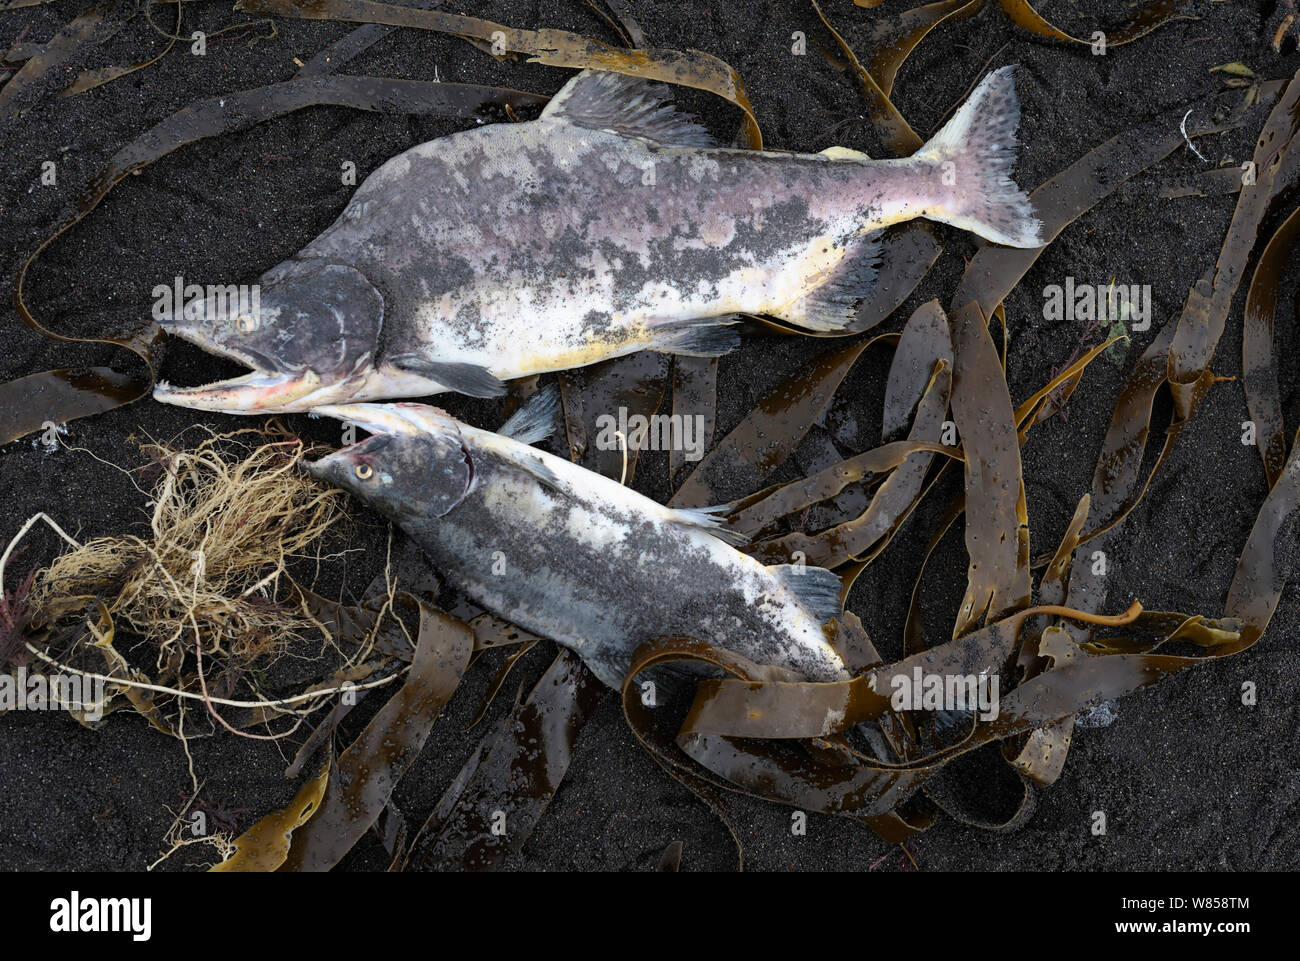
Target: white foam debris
x,y
1103,715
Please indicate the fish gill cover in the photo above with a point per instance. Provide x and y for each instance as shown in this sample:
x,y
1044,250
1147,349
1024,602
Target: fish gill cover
x,y
253,611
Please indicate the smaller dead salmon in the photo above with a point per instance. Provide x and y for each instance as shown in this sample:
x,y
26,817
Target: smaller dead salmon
x,y
574,556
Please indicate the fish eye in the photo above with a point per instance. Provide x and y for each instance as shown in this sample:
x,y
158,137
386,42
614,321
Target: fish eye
x,y
247,323
365,471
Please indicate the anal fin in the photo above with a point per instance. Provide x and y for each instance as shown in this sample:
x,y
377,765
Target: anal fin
x,y
705,337
830,305
817,588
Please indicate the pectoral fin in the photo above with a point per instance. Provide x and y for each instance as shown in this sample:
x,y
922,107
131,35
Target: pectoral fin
x,y
713,520
468,379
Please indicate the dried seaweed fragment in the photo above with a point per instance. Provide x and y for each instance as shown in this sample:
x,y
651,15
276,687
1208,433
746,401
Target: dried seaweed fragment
x,y
264,847
516,773
366,774
555,48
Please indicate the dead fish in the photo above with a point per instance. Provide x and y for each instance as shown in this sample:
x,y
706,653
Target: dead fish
x,y
572,555
610,224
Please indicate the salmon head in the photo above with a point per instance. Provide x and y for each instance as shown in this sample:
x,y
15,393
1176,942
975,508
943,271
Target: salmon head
x,y
310,336
414,466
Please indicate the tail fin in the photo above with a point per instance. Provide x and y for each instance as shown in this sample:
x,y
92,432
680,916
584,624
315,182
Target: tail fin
x,y
981,141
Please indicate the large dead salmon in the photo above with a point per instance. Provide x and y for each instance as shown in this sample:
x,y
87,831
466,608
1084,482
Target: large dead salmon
x,y
608,225
574,556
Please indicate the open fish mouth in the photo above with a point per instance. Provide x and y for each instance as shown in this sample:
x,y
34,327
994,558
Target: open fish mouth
x,y
257,392
265,389
386,420
379,418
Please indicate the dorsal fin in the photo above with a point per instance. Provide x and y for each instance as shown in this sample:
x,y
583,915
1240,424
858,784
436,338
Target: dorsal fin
x,y
817,588
535,420
713,520
632,106
831,304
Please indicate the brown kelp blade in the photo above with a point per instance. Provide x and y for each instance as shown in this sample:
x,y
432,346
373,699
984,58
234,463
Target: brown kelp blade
x,y
894,39
1277,164
757,707
1149,18
795,496
554,48
74,394
925,341
74,41
51,397
997,528
620,18
1182,350
366,774
768,436
1040,755
782,770
1264,568
997,524
497,808
593,398
1259,360
90,79
918,390
695,395
893,129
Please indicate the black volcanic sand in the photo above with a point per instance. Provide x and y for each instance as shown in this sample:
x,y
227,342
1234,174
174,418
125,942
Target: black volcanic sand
x,y
1187,776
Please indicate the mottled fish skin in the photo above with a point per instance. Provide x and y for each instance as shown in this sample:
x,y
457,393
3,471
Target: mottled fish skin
x,y
567,553
517,249
516,269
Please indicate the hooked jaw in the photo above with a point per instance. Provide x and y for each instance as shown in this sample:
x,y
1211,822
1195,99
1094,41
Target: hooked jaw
x,y
260,392
264,389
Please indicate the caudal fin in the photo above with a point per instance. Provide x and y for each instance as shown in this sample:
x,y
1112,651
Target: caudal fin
x,y
980,141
